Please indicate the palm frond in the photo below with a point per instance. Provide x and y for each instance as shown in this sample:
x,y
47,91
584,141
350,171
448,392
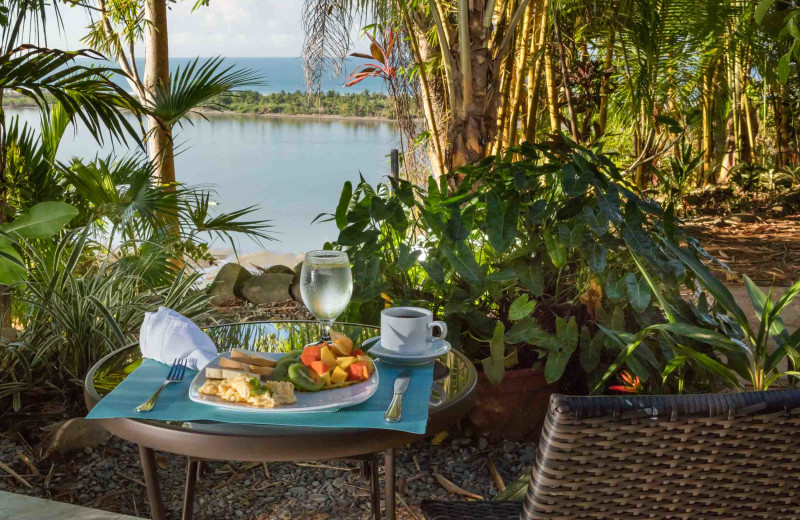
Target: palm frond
x,y
326,24
84,92
195,85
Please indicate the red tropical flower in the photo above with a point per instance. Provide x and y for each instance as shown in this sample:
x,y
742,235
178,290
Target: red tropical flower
x,y
632,384
381,69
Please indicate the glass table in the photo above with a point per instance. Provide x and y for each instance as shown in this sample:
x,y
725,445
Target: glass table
x,y
200,441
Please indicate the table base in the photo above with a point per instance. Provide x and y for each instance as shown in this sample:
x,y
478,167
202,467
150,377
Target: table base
x,y
194,470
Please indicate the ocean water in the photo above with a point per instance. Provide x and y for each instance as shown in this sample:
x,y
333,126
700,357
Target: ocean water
x,y
279,74
291,168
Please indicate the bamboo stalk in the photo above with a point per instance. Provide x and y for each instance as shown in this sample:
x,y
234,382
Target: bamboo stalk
x,y
519,73
552,93
535,72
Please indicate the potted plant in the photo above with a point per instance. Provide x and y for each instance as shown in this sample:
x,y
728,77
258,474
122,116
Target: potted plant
x,y
524,256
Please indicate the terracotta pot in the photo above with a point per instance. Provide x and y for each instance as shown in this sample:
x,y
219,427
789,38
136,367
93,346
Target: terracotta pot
x,y
515,409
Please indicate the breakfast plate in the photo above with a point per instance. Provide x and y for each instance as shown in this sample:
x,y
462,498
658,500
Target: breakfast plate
x,y
323,400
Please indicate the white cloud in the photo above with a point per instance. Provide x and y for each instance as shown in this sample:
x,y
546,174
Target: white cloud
x,y
233,28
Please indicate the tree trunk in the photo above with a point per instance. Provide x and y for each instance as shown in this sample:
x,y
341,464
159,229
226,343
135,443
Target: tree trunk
x,y
473,131
535,72
156,75
519,73
609,60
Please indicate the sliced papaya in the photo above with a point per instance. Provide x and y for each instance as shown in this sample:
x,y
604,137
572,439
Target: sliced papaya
x,y
320,367
310,354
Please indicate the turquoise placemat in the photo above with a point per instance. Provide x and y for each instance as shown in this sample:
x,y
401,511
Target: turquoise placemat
x,y
175,405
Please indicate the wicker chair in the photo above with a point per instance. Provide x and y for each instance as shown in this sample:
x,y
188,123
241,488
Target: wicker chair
x,y
733,456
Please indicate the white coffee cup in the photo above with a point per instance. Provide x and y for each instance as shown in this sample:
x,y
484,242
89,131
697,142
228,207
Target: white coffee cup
x,y
409,330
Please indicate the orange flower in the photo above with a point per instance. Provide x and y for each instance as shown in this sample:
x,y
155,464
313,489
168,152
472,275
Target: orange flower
x,y
632,384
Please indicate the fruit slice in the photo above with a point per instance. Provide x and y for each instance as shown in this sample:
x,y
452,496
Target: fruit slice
x,y
358,371
345,361
357,352
339,375
310,354
327,356
320,367
326,377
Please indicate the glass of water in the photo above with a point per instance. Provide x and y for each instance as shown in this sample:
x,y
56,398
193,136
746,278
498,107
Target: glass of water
x,y
326,285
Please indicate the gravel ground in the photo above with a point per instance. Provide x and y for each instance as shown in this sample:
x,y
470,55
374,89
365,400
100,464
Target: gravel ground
x,y
109,477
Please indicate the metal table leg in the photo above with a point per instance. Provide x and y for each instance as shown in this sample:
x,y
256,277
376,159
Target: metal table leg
x,y
375,489
388,478
188,494
151,480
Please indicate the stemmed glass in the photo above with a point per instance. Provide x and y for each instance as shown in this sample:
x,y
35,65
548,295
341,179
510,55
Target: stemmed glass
x,y
326,285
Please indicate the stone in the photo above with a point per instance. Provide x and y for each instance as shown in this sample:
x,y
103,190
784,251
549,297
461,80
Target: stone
x,y
77,433
228,284
294,289
278,269
267,288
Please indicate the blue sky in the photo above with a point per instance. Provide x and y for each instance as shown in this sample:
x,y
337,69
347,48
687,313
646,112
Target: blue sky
x,y
232,28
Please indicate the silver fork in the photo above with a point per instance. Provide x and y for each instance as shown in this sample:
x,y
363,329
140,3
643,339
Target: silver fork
x,y
175,375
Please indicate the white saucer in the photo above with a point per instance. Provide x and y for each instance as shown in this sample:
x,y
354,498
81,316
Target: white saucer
x,y
373,346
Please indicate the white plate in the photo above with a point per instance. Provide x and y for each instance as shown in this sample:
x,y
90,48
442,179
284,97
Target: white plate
x,y
373,347
322,401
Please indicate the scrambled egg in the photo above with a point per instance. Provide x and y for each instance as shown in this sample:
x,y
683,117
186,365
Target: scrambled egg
x,y
239,390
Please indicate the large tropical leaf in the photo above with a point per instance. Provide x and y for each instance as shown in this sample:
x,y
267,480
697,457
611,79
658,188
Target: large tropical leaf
x,y
195,85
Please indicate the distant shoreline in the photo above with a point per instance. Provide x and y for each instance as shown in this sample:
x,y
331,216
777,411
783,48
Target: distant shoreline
x,y
265,115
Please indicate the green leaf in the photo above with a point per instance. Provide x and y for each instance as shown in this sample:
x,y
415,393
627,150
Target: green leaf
x,y
556,250
516,490
613,287
407,257
759,301
12,267
628,347
590,348
574,182
720,293
761,10
596,257
528,331
638,292
463,261
521,308
707,336
501,221
505,275
559,354
434,269
494,366
530,277
783,67
42,220
344,204
713,366
354,235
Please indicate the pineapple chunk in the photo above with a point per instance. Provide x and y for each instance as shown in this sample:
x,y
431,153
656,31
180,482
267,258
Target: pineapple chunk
x,y
339,375
326,377
345,361
327,356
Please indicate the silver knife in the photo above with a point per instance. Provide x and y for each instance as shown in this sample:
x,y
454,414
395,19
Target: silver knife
x,y
395,411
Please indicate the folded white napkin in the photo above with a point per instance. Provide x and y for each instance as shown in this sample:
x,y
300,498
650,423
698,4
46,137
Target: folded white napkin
x,y
167,335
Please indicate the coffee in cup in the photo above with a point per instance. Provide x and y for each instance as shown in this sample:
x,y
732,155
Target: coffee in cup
x,y
410,330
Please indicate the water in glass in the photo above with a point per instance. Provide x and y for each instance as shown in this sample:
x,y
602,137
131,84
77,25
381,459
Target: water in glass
x,y
326,285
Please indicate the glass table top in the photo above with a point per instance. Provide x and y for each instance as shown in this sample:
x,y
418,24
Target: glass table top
x,y
454,375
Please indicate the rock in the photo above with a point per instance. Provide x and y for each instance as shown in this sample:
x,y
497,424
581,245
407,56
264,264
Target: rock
x,y
294,289
746,218
267,288
75,434
228,283
278,269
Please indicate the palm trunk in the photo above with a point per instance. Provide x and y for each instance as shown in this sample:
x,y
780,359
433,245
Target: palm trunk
x,y
156,75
